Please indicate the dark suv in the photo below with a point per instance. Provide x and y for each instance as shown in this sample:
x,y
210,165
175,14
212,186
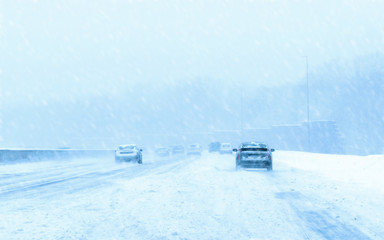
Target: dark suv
x,y
254,155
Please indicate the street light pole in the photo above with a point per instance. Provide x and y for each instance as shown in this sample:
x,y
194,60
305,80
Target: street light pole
x,y
308,124
241,116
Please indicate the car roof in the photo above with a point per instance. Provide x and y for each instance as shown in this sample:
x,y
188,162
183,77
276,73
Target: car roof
x,y
194,145
128,145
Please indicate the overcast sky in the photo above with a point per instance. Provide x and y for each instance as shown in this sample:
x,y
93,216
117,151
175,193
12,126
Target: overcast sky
x,y
59,50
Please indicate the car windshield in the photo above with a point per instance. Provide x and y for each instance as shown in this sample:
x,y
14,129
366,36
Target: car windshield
x,y
254,149
191,119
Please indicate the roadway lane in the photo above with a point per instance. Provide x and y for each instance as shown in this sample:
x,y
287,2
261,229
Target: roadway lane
x,y
193,198
29,178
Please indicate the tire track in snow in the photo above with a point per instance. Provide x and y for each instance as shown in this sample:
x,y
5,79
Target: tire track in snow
x,y
64,175
310,210
320,220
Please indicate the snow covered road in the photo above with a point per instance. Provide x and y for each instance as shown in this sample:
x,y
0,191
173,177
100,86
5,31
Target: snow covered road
x,y
307,196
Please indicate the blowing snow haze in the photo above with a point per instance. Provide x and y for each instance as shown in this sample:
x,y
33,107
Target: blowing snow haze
x,y
97,74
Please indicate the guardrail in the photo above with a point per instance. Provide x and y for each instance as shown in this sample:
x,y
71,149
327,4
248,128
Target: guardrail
x,y
11,155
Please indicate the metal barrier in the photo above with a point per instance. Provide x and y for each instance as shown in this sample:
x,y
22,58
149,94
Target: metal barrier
x,y
11,155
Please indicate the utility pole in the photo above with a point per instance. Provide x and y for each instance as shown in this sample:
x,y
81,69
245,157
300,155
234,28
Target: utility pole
x,y
308,124
241,116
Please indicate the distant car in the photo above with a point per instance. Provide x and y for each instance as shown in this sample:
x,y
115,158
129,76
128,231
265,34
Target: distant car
x,y
254,155
194,149
226,148
214,147
162,152
128,153
177,149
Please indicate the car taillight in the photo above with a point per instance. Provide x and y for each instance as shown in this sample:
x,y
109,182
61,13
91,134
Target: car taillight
x,y
269,156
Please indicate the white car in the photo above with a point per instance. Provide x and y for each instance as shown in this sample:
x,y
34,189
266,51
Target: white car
x,y
194,149
225,148
128,152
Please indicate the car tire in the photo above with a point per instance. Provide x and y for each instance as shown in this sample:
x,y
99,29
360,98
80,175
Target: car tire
x,y
140,160
237,167
269,168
